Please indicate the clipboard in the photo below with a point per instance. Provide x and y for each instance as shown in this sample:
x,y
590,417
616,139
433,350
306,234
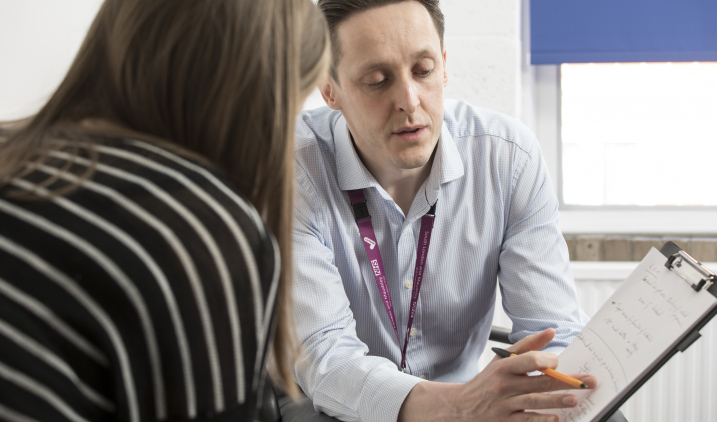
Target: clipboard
x,y
698,277
656,312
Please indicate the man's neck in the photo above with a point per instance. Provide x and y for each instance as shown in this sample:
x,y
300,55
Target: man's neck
x,y
401,184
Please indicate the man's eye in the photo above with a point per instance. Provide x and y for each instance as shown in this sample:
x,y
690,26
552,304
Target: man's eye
x,y
424,72
377,84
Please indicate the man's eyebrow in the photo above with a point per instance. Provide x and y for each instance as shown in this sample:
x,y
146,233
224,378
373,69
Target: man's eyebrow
x,y
377,65
374,65
424,52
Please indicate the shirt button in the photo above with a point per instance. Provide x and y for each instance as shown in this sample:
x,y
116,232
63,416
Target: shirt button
x,y
413,331
408,284
405,229
422,376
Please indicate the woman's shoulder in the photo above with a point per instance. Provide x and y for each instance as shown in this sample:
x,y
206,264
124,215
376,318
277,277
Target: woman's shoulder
x,y
193,196
173,170
156,246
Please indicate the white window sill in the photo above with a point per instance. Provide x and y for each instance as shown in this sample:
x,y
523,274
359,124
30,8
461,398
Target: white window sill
x,y
642,222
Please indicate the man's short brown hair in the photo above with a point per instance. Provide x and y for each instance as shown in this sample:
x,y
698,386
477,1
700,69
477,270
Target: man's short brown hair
x,y
337,11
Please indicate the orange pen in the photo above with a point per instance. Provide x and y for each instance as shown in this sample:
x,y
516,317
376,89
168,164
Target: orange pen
x,y
547,371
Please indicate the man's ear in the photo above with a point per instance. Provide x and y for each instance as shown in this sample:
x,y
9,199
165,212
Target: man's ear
x,y
328,93
445,72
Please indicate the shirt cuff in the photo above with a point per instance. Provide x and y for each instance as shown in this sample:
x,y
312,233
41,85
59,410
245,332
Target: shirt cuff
x,y
383,395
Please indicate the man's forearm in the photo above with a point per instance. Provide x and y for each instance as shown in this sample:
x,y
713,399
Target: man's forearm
x,y
430,401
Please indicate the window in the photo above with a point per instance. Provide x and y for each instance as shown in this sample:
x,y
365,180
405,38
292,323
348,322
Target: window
x,y
639,133
624,188
545,86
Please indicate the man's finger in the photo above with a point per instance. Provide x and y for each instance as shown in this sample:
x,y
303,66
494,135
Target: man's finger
x,y
529,362
532,417
536,341
588,380
536,401
544,384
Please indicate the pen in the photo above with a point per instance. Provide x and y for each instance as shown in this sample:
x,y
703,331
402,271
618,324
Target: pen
x,y
547,371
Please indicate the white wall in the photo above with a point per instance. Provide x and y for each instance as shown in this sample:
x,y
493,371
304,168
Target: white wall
x,y
38,41
483,42
39,38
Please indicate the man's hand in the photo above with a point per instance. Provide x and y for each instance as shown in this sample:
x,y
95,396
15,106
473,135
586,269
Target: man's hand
x,y
501,392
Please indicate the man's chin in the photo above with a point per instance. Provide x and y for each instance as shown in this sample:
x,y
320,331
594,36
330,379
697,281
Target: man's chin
x,y
413,158
411,163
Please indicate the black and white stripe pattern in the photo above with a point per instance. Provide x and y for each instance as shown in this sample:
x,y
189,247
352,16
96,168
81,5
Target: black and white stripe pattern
x,y
147,294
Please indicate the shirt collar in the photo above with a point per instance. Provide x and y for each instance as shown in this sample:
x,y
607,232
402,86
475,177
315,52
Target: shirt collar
x,y
352,174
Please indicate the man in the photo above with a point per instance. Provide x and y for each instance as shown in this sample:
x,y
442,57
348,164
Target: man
x,y
388,137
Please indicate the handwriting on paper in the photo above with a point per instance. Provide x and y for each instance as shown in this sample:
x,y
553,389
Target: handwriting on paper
x,y
594,358
614,375
631,320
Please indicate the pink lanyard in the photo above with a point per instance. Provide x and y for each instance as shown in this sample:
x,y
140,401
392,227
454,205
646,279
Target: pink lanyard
x,y
363,221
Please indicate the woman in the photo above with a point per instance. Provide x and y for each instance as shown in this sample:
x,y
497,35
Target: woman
x,y
138,273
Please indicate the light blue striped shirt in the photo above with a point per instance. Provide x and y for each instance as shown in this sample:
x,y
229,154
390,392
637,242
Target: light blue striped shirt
x,y
496,219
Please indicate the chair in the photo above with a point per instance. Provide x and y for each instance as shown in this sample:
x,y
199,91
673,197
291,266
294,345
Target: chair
x,y
499,334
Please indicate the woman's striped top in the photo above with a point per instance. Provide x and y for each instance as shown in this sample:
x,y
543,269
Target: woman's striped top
x,y
146,294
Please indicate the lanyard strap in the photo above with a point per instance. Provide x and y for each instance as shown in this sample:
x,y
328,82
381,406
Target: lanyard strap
x,y
370,243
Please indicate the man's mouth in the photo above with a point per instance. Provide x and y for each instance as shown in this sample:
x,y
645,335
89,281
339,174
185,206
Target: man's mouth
x,y
410,129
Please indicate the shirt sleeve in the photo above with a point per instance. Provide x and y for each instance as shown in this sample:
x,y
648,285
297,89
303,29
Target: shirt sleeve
x,y
535,278
334,369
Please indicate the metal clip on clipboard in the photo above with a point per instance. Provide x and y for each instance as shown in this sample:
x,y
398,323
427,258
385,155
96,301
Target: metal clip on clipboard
x,y
689,269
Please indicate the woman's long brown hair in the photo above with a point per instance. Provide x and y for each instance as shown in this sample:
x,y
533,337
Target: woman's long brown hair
x,y
219,79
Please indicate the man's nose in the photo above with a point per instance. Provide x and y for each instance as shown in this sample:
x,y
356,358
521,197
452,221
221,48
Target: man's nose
x,y
406,96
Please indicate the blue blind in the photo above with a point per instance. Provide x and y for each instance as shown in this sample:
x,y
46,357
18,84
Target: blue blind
x,y
585,31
